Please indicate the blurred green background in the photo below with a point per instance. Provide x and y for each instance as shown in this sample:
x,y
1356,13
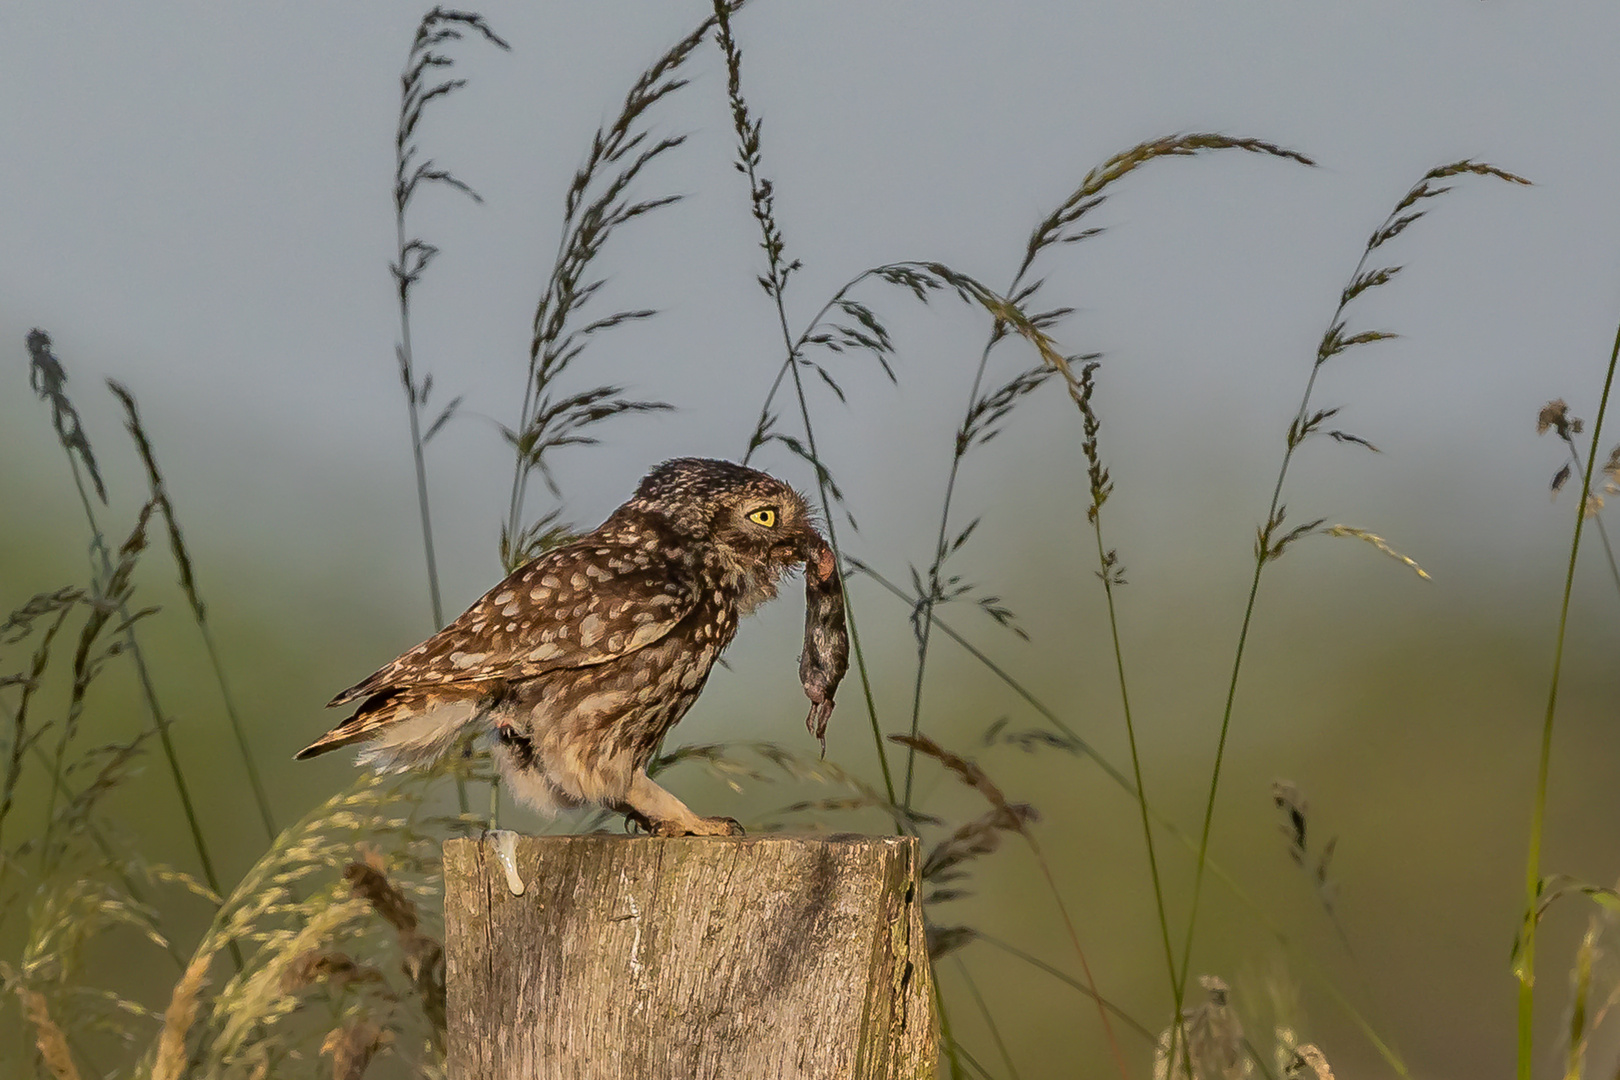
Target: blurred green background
x,y
204,215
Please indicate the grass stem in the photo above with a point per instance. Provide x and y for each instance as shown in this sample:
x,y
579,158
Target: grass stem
x,y
1538,814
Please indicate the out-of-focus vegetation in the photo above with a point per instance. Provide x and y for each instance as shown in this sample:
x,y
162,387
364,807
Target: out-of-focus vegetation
x,y
1286,803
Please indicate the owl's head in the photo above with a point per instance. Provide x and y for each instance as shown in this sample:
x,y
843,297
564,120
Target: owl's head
x,y
755,520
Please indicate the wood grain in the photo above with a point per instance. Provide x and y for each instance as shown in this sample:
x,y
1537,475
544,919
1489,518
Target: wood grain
x,y
644,958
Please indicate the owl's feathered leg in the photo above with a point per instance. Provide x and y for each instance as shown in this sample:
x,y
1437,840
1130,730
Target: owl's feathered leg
x,y
662,814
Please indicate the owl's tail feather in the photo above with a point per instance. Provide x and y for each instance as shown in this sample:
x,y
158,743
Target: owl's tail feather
x,y
404,729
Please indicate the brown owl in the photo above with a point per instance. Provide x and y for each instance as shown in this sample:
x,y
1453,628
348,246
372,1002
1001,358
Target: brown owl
x,y
582,660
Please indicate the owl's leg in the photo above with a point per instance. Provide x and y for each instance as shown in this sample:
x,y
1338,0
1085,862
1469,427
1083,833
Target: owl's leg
x,y
662,814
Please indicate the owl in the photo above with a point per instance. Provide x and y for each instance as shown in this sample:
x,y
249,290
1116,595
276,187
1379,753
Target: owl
x,y
579,663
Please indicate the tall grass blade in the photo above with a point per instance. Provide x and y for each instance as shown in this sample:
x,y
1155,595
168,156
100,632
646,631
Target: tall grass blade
x,y
199,611
1525,969
1272,539
49,380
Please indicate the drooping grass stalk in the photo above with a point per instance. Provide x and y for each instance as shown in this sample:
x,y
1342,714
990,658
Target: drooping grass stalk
x,y
199,611
860,330
598,202
49,380
1526,967
1272,541
984,411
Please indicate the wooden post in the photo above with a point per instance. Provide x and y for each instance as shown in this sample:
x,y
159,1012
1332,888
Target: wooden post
x,y
749,958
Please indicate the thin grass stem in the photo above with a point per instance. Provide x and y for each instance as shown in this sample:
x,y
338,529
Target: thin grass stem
x,y
946,1039
1119,777
160,720
1597,519
775,285
412,254
1105,572
1526,967
1064,977
199,611
1272,540
1080,954
989,1020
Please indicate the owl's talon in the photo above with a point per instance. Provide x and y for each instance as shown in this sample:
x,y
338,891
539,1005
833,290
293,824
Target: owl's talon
x,y
731,826
696,826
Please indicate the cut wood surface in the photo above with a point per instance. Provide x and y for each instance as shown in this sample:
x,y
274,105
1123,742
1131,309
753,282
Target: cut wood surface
x,y
698,957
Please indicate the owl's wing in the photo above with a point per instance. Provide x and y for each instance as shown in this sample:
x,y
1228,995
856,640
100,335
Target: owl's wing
x,y
581,604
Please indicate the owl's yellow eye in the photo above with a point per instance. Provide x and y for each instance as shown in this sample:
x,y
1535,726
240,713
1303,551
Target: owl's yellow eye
x,y
765,515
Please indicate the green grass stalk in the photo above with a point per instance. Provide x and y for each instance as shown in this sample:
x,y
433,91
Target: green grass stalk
x,y
775,283
1597,519
412,254
989,1019
1538,813
1272,539
1118,776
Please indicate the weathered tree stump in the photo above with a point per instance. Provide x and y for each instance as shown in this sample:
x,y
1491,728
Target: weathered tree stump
x,y
634,957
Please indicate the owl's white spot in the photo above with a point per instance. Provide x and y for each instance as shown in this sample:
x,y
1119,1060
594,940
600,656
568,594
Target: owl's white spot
x,y
602,702
691,677
615,642
602,553
597,573
466,659
511,627
562,633
641,617
719,597
540,596
511,609
545,651
590,630
504,597
645,635
650,544
550,581
477,627
579,582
